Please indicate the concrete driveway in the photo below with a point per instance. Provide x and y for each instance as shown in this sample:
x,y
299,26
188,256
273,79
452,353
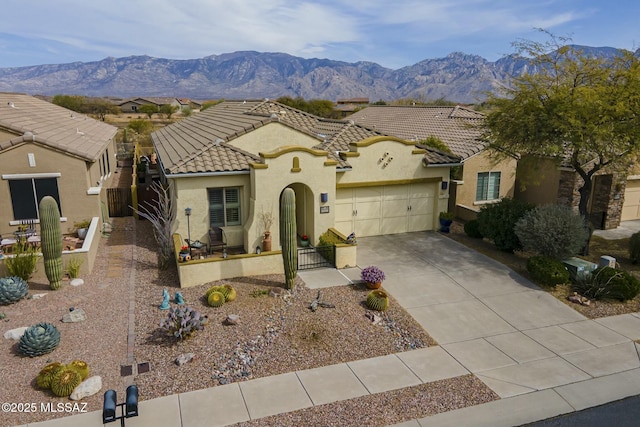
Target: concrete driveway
x,y
511,334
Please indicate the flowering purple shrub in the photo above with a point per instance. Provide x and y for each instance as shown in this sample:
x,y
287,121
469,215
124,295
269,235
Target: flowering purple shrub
x,y
372,274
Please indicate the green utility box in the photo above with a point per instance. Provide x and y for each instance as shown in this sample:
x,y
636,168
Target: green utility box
x,y
578,267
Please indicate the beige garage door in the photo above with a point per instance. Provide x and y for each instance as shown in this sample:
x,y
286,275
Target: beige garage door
x,y
631,206
372,211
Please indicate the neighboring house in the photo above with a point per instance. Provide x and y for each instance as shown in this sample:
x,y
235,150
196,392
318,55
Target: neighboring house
x,y
482,179
132,105
231,162
614,197
351,105
49,150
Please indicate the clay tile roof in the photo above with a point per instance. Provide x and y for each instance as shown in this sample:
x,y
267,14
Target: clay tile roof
x,y
457,127
198,144
53,126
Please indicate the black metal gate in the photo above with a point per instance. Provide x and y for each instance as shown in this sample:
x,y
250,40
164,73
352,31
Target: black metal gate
x,y
316,257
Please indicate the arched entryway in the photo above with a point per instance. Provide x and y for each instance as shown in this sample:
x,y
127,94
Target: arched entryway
x,y
304,210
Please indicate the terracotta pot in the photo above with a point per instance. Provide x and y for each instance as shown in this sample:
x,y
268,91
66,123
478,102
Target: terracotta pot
x,y
373,285
266,242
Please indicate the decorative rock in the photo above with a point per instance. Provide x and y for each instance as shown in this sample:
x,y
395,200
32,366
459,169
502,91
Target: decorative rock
x,y
184,358
15,334
38,296
75,316
76,282
232,319
87,388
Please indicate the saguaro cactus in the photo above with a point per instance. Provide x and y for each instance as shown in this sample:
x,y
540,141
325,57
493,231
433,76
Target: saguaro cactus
x,y
288,236
51,240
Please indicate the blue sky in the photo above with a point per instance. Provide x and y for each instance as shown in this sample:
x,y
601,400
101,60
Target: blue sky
x,y
392,33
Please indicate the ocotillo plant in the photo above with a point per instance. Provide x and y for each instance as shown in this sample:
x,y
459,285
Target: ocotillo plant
x,y
288,236
51,240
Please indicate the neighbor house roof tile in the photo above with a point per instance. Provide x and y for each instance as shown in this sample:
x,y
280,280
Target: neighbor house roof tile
x,y
52,126
457,127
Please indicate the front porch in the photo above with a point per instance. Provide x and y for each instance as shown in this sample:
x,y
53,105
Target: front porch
x,y
237,263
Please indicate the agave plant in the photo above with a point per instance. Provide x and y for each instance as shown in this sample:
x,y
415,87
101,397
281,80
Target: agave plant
x,y
12,289
39,339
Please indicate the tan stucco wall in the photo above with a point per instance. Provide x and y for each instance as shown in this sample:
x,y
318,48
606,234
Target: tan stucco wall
x,y
540,179
76,177
315,175
192,192
271,136
482,162
403,166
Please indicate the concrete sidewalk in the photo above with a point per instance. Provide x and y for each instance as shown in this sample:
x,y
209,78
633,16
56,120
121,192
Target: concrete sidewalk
x,y
540,356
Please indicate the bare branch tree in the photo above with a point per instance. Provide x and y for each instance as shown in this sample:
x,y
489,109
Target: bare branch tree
x,y
161,214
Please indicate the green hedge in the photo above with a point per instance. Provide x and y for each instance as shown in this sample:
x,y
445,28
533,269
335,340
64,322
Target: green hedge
x,y
547,271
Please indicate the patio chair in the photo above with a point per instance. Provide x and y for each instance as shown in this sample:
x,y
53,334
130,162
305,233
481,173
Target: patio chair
x,y
217,239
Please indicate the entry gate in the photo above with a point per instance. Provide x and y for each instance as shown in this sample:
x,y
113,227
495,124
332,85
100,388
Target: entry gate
x,y
316,257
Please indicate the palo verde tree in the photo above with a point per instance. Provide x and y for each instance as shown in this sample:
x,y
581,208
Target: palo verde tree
x,y
573,104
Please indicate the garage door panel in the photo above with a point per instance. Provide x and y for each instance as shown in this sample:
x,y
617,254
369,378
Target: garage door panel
x,y
394,208
368,227
394,225
631,206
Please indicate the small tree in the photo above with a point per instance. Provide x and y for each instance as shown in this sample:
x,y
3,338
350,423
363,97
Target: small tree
x,y
148,109
161,215
553,231
168,110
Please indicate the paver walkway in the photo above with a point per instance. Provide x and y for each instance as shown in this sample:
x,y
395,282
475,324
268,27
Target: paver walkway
x,y
540,356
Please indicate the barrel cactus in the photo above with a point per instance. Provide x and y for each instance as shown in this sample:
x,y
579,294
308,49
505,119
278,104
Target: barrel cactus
x,y
288,239
12,289
378,300
80,366
228,292
216,299
45,376
64,381
39,339
51,241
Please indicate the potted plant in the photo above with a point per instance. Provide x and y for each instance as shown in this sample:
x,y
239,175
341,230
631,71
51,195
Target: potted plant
x,y
446,218
267,221
304,241
184,254
372,276
82,227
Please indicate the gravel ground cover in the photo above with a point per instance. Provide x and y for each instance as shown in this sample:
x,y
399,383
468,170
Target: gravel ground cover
x,y
276,333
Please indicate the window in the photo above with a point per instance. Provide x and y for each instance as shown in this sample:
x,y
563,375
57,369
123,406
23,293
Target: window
x,y
224,207
27,193
488,186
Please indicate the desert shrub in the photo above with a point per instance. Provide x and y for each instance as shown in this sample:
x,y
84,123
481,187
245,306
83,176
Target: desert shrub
x,y
634,248
329,239
497,221
608,283
552,230
23,264
547,271
472,229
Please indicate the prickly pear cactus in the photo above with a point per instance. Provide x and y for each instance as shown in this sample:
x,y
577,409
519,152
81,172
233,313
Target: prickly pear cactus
x,y
39,339
51,241
288,236
12,289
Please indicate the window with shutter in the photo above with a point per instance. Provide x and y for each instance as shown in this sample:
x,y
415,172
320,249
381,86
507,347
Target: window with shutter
x,y
224,207
27,193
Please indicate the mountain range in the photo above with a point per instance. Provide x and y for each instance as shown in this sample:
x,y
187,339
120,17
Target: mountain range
x,y
458,77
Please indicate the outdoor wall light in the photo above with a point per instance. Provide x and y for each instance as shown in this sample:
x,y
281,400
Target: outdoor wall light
x,y
324,197
444,185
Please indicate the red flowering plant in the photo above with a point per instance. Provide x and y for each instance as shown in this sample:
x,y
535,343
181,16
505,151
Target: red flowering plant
x,y
305,237
184,249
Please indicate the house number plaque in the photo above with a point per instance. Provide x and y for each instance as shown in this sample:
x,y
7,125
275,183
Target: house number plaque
x,y
324,209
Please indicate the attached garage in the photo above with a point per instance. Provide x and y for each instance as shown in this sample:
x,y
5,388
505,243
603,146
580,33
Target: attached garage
x,y
631,206
386,209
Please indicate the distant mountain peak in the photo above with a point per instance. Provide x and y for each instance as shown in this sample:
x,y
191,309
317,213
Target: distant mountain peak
x,y
459,77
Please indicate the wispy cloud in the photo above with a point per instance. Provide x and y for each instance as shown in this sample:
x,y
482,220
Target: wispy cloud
x,y
392,32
